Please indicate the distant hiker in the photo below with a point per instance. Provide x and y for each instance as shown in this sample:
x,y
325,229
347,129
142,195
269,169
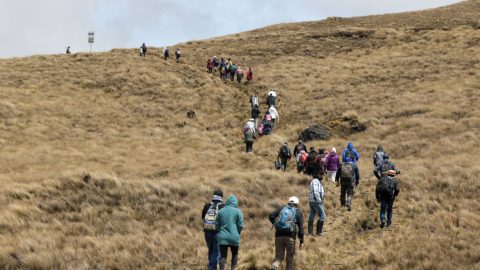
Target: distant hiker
x,y
311,159
254,100
273,112
267,124
249,74
322,161
352,152
270,101
385,166
223,72
229,224
141,51
284,153
255,114
228,64
233,70
299,147
209,215
249,139
286,220
316,197
216,63
385,192
301,159
144,49
378,156
250,124
239,74
273,94
210,65
68,50
178,54
331,164
166,53
348,176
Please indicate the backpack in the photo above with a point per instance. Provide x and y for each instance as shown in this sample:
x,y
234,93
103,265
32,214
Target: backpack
x,y
178,53
351,153
277,165
299,147
250,72
268,123
227,65
215,62
386,166
303,157
285,222
284,151
346,172
210,217
378,157
167,52
387,186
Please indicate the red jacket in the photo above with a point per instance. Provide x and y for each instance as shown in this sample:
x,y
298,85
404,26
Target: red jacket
x,y
249,77
209,63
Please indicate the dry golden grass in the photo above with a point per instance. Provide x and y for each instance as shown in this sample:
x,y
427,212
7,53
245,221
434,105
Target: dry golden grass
x,y
96,173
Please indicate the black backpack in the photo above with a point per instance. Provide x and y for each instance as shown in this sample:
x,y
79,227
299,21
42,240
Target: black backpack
x,y
215,62
284,151
386,166
387,186
350,153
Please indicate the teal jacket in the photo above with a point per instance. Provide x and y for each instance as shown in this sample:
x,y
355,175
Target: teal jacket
x,y
229,223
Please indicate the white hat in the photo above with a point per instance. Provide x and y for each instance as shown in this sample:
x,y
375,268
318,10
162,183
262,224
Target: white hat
x,y
293,200
251,120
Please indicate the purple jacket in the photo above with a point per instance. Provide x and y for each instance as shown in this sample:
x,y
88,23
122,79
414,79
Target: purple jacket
x,y
332,162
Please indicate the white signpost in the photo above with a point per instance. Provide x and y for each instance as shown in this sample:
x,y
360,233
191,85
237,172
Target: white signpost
x,y
91,39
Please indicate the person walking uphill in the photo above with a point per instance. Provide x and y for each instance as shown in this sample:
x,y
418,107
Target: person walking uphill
x,y
210,65
316,196
239,74
254,100
385,166
349,176
274,114
331,164
299,147
350,151
229,224
287,220
209,215
284,154
249,75
385,192
144,49
166,53
310,162
255,114
233,70
178,54
249,139
223,71
301,158
216,63
378,156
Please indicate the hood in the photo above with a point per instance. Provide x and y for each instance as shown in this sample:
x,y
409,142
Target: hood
x,y
380,148
303,152
209,59
350,145
232,202
332,154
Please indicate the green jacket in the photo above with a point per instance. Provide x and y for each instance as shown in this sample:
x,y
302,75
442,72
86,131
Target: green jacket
x,y
288,150
249,135
233,69
229,223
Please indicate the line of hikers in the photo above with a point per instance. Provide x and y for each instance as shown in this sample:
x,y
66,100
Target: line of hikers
x,y
223,223
228,69
166,52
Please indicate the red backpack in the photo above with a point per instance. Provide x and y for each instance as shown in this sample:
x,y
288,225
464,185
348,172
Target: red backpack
x,y
303,157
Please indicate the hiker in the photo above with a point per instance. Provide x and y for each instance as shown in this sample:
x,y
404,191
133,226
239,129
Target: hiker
x,y
352,152
210,65
267,124
348,176
299,147
385,192
233,70
378,156
255,114
250,124
310,162
229,224
249,139
254,100
322,160
270,101
223,71
228,64
209,215
284,153
316,197
178,54
239,74
141,51
384,166
249,74
166,53
216,63
68,50
273,112
331,164
286,220
301,158
144,49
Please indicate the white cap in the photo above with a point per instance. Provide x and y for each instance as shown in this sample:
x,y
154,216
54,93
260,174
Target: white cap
x,y
293,200
251,120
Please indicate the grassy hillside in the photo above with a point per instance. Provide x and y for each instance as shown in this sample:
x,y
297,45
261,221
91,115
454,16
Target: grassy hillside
x,y
102,169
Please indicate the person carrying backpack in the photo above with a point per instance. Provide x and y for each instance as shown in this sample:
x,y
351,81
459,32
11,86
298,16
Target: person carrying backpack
x,y
210,65
239,74
316,196
249,74
216,63
385,192
301,158
254,100
299,147
178,54
249,139
144,49
255,114
270,101
310,162
166,53
284,154
323,160
331,164
209,215
233,70
273,112
351,152
68,50
288,222
229,224
223,71
348,176
378,156
385,166
228,64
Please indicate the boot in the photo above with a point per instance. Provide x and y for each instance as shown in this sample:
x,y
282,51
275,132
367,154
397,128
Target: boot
x,y
310,229
320,228
349,208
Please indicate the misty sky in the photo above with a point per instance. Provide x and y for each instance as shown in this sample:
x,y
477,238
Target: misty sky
x,y
30,27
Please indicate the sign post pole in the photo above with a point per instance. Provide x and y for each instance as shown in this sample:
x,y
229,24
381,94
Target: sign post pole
x,y
91,39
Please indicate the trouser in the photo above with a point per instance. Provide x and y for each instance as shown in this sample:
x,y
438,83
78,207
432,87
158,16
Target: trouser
x,y
331,175
166,56
239,78
346,188
213,249
316,208
215,69
284,163
232,76
223,76
228,75
310,169
300,168
249,146
273,123
178,58
283,243
210,70
223,256
143,54
256,125
386,205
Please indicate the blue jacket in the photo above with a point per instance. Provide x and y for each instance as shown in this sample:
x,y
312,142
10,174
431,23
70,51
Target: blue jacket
x,y
229,223
378,169
355,158
356,173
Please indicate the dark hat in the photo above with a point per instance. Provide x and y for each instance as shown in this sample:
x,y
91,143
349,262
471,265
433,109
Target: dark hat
x,y
218,193
319,171
386,156
312,148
